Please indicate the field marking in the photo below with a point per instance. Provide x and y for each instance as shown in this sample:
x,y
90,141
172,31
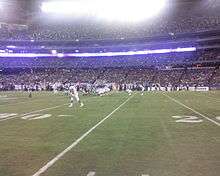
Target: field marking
x,y
22,102
55,159
30,100
36,116
29,113
65,115
52,107
187,107
8,116
35,100
6,119
187,119
210,97
45,109
91,173
7,98
145,175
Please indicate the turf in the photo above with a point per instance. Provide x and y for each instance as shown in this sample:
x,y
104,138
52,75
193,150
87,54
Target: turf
x,y
141,137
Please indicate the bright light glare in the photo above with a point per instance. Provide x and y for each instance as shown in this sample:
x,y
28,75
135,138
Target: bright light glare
x,y
101,54
113,10
130,10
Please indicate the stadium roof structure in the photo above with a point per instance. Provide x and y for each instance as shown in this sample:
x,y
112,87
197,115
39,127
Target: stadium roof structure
x,y
121,47
26,11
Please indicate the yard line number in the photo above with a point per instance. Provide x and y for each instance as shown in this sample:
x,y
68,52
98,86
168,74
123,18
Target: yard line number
x,y
7,116
190,119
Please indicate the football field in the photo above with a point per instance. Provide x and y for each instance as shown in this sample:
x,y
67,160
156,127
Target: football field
x,y
157,134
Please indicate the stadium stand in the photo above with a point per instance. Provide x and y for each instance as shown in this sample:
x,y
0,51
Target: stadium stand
x,y
193,68
63,32
48,77
185,21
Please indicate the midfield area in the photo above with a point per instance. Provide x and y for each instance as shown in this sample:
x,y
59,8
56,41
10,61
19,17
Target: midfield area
x,y
157,134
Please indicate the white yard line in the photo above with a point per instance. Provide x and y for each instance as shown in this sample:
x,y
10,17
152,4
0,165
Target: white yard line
x,y
21,102
27,101
193,110
91,173
7,119
75,143
55,107
40,110
210,97
65,115
45,109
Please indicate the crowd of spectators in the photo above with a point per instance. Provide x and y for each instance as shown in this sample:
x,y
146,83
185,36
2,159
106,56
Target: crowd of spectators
x,y
215,81
170,76
197,76
184,20
163,69
209,55
161,27
158,60
43,78
150,69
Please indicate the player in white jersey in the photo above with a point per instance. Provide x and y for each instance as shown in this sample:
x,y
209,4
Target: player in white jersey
x,y
129,91
55,91
74,95
142,89
29,93
102,91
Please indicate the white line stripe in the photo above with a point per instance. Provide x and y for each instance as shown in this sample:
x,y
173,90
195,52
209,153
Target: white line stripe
x,y
207,118
54,107
21,102
7,119
27,101
145,175
45,109
91,173
65,115
54,160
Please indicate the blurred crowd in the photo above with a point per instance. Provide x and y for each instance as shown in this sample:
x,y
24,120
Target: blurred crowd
x,y
154,60
200,68
176,69
92,30
46,79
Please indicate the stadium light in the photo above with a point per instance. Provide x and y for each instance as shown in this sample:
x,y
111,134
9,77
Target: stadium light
x,y
112,10
60,55
11,46
130,10
101,54
54,52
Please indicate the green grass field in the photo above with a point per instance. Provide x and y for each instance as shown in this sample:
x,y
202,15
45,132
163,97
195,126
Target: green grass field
x,y
138,137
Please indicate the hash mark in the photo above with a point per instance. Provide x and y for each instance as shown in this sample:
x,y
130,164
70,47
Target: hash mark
x,y
91,173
